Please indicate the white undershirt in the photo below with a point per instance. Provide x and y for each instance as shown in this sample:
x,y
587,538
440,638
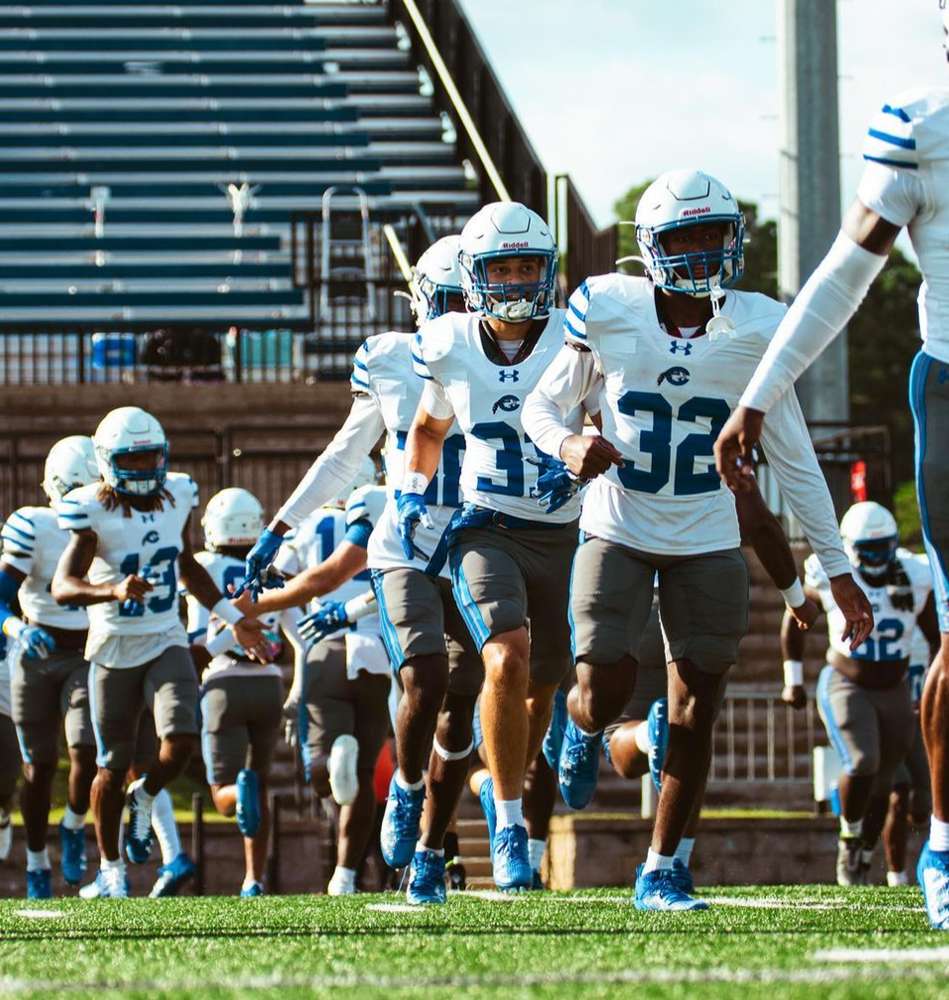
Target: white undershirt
x,y
509,348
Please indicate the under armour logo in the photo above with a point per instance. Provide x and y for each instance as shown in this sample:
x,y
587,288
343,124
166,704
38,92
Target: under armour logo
x,y
507,403
675,347
151,538
146,518
512,375
674,376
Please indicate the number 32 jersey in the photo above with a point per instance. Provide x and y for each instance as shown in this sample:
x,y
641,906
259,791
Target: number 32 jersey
x,y
486,400
129,545
664,400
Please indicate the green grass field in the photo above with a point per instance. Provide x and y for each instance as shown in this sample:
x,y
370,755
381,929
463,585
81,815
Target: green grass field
x,y
766,942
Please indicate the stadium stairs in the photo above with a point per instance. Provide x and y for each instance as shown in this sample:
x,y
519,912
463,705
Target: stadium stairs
x,y
147,112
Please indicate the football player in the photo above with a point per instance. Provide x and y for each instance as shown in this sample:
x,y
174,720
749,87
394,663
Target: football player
x,y
428,643
338,705
905,183
668,356
48,674
128,548
510,561
862,694
9,755
241,701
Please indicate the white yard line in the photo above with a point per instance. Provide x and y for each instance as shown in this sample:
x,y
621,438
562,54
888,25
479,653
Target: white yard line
x,y
883,955
40,914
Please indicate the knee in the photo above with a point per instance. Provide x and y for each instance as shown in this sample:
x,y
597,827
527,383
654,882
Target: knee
x,y
425,682
865,764
506,665
110,782
38,773
224,804
454,728
178,747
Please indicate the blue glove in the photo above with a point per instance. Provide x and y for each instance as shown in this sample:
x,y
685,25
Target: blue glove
x,y
133,608
256,563
330,618
556,484
37,642
412,512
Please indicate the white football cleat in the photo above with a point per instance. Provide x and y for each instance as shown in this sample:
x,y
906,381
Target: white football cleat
x,y
344,782
343,883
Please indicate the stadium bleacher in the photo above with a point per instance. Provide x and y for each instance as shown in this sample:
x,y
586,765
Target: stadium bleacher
x,y
164,107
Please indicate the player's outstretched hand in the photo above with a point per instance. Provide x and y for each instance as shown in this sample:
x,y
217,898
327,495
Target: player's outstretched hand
x,y
588,455
257,561
735,446
330,617
855,607
805,614
412,513
249,633
37,642
794,695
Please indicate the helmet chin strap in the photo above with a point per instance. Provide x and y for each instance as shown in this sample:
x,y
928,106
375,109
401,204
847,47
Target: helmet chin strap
x,y
719,325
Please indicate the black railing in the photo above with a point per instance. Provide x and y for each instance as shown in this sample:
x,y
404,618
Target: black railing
x,y
589,250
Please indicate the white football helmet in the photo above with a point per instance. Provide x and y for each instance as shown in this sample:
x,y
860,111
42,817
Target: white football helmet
x,y
125,431
233,517
870,536
437,276
71,463
507,229
687,198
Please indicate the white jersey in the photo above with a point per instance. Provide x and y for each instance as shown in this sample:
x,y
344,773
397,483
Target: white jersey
x,y
664,400
142,542
896,606
6,667
486,399
226,572
906,181
33,541
382,370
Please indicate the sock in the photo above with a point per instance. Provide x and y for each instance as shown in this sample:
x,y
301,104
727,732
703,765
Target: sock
x,y
249,881
73,820
142,797
854,829
938,835
112,866
866,856
409,786
510,812
438,851
589,736
345,875
897,878
641,736
684,850
37,861
657,862
165,827
535,850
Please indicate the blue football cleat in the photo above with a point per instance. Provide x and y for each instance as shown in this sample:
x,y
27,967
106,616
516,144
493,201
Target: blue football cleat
x,y
579,766
248,802
426,879
39,884
553,741
657,729
486,795
932,873
400,822
682,877
173,876
511,860
254,890
73,857
138,834
658,891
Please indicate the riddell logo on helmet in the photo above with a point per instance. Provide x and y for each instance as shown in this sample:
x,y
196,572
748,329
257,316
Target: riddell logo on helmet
x,y
696,211
514,246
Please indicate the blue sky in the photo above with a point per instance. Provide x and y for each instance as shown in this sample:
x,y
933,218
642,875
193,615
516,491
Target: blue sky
x,y
616,91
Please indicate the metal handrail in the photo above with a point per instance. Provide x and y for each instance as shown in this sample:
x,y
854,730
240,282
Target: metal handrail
x,y
464,115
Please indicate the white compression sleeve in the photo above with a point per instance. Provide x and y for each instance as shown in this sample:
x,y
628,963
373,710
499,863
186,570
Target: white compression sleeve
x,y
336,468
567,382
821,310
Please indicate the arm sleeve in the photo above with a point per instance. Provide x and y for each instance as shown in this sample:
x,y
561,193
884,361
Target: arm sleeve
x,y
570,378
19,542
791,456
336,468
358,533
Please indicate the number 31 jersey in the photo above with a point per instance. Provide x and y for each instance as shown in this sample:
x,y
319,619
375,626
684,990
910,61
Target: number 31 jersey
x,y
127,546
486,400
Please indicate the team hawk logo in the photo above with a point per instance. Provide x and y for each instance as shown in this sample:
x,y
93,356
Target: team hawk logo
x,y
674,376
506,403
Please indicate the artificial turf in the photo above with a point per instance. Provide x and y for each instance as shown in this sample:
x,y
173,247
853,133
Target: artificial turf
x,y
763,942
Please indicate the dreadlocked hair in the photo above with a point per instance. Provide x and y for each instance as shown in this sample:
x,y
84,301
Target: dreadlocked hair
x,y
898,586
112,499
